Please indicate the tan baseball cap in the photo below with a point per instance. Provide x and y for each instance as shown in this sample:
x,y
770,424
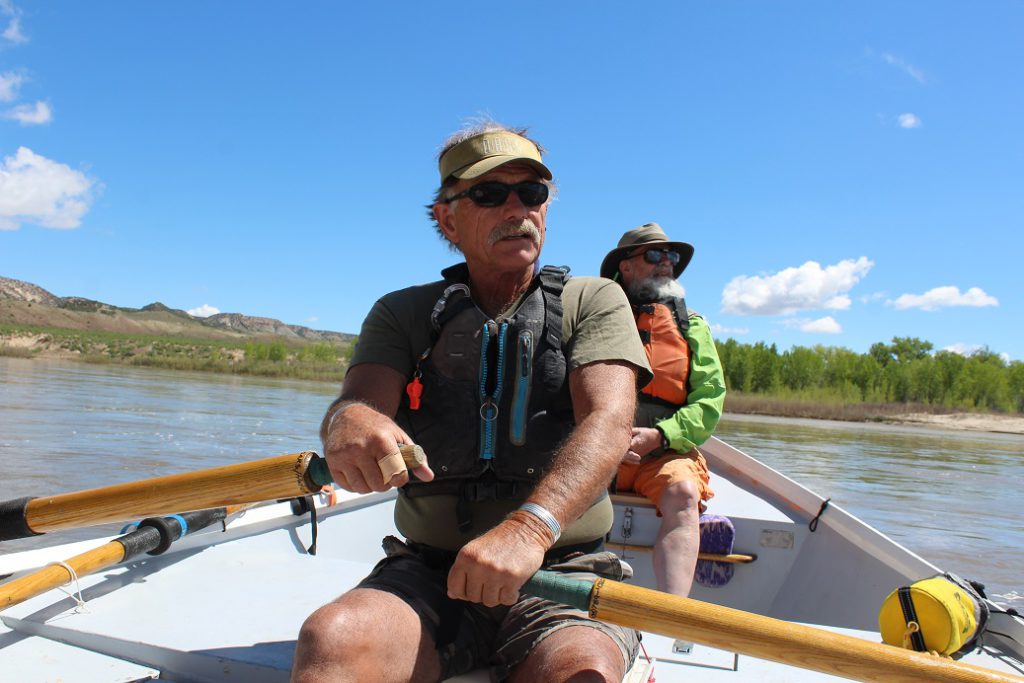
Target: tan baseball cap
x,y
484,152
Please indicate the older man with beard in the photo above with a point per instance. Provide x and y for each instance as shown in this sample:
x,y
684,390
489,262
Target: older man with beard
x,y
679,409
520,385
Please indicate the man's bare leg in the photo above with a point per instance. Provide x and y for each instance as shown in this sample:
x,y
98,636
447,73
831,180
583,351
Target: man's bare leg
x,y
678,540
365,635
575,654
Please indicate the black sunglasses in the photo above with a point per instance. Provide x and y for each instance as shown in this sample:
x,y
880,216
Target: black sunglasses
x,y
654,256
494,193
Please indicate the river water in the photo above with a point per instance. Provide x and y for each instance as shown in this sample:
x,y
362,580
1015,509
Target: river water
x,y
955,498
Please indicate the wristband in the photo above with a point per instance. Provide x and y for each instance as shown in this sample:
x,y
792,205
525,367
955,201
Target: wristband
x,y
543,515
338,411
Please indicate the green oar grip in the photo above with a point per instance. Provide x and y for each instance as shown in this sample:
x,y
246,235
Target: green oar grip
x,y
318,473
558,588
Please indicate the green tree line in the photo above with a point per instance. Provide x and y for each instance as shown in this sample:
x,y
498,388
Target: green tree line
x,y
904,371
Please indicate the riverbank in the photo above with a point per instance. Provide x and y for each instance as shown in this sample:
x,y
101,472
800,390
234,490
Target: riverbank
x,y
325,363
259,355
888,413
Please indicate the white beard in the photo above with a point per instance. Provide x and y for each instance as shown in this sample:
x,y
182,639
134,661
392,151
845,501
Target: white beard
x,y
655,288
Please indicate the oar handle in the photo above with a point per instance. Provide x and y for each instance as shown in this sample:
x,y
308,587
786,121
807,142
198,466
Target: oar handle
x,y
319,474
558,588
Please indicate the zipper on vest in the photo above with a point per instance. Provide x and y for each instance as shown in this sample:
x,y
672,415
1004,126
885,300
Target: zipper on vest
x,y
489,400
521,399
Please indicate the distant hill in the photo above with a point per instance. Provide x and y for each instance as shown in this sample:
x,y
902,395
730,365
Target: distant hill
x,y
23,303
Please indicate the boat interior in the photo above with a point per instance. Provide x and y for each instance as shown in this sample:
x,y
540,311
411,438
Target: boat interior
x,y
226,603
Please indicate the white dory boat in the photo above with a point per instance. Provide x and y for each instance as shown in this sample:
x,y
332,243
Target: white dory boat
x,y
225,603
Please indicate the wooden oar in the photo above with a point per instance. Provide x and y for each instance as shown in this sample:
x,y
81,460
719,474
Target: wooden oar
x,y
754,635
151,536
282,476
732,558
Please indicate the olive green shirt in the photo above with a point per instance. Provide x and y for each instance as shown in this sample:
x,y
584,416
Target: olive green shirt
x,y
597,325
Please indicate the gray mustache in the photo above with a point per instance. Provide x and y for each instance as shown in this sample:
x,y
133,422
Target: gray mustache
x,y
514,228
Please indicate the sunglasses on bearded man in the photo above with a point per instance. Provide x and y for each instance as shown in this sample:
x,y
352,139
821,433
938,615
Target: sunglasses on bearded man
x,y
654,256
491,193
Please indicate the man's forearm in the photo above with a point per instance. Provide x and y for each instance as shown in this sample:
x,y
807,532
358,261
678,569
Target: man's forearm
x,y
604,399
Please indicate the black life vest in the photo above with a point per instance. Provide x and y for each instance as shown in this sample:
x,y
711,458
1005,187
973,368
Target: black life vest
x,y
495,403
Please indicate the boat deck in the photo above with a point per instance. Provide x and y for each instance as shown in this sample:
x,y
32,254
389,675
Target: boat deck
x,y
210,610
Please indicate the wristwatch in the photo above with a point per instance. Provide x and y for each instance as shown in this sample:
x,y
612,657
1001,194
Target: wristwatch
x,y
664,439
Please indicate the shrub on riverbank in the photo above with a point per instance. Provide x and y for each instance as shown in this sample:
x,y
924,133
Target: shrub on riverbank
x,y
316,361
904,372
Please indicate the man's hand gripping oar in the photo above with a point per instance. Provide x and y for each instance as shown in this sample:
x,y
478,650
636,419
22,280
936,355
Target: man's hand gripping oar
x,y
355,434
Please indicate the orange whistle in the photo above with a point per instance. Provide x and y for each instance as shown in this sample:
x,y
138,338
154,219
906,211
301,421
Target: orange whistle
x,y
414,390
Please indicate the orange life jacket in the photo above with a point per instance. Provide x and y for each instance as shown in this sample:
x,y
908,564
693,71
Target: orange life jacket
x,y
662,327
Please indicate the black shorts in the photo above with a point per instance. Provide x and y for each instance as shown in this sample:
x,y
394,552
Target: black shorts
x,y
470,635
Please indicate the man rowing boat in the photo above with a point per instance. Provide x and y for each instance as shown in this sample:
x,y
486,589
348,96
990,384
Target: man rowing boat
x,y
520,385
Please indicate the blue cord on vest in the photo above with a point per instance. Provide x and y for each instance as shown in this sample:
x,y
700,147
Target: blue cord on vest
x,y
489,404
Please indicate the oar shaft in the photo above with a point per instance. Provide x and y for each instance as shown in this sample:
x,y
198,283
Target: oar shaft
x,y
147,538
757,636
283,476
21,589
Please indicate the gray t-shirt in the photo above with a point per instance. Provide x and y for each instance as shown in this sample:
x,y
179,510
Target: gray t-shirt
x,y
597,325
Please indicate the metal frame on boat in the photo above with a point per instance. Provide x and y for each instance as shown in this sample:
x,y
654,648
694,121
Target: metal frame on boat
x,y
225,603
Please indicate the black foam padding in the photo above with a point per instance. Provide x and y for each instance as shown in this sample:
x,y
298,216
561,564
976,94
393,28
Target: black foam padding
x,y
203,518
12,520
142,540
169,529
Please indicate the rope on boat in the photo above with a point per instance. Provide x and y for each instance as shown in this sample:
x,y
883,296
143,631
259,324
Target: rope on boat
x,y
79,599
813,526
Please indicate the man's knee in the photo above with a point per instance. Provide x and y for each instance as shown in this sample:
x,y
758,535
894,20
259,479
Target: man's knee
x,y
356,628
578,654
680,496
335,632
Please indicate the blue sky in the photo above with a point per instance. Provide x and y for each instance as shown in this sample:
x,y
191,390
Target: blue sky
x,y
848,171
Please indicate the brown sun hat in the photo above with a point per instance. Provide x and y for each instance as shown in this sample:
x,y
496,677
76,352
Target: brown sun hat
x,y
647,235
484,152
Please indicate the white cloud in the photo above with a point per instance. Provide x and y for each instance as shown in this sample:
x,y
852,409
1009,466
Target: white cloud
x,y
826,325
312,319
963,349
12,33
204,311
908,120
942,297
807,287
30,114
870,298
968,350
38,190
9,84
722,329
904,66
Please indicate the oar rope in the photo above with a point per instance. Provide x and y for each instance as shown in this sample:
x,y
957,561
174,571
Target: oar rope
x,y
152,536
754,635
283,476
